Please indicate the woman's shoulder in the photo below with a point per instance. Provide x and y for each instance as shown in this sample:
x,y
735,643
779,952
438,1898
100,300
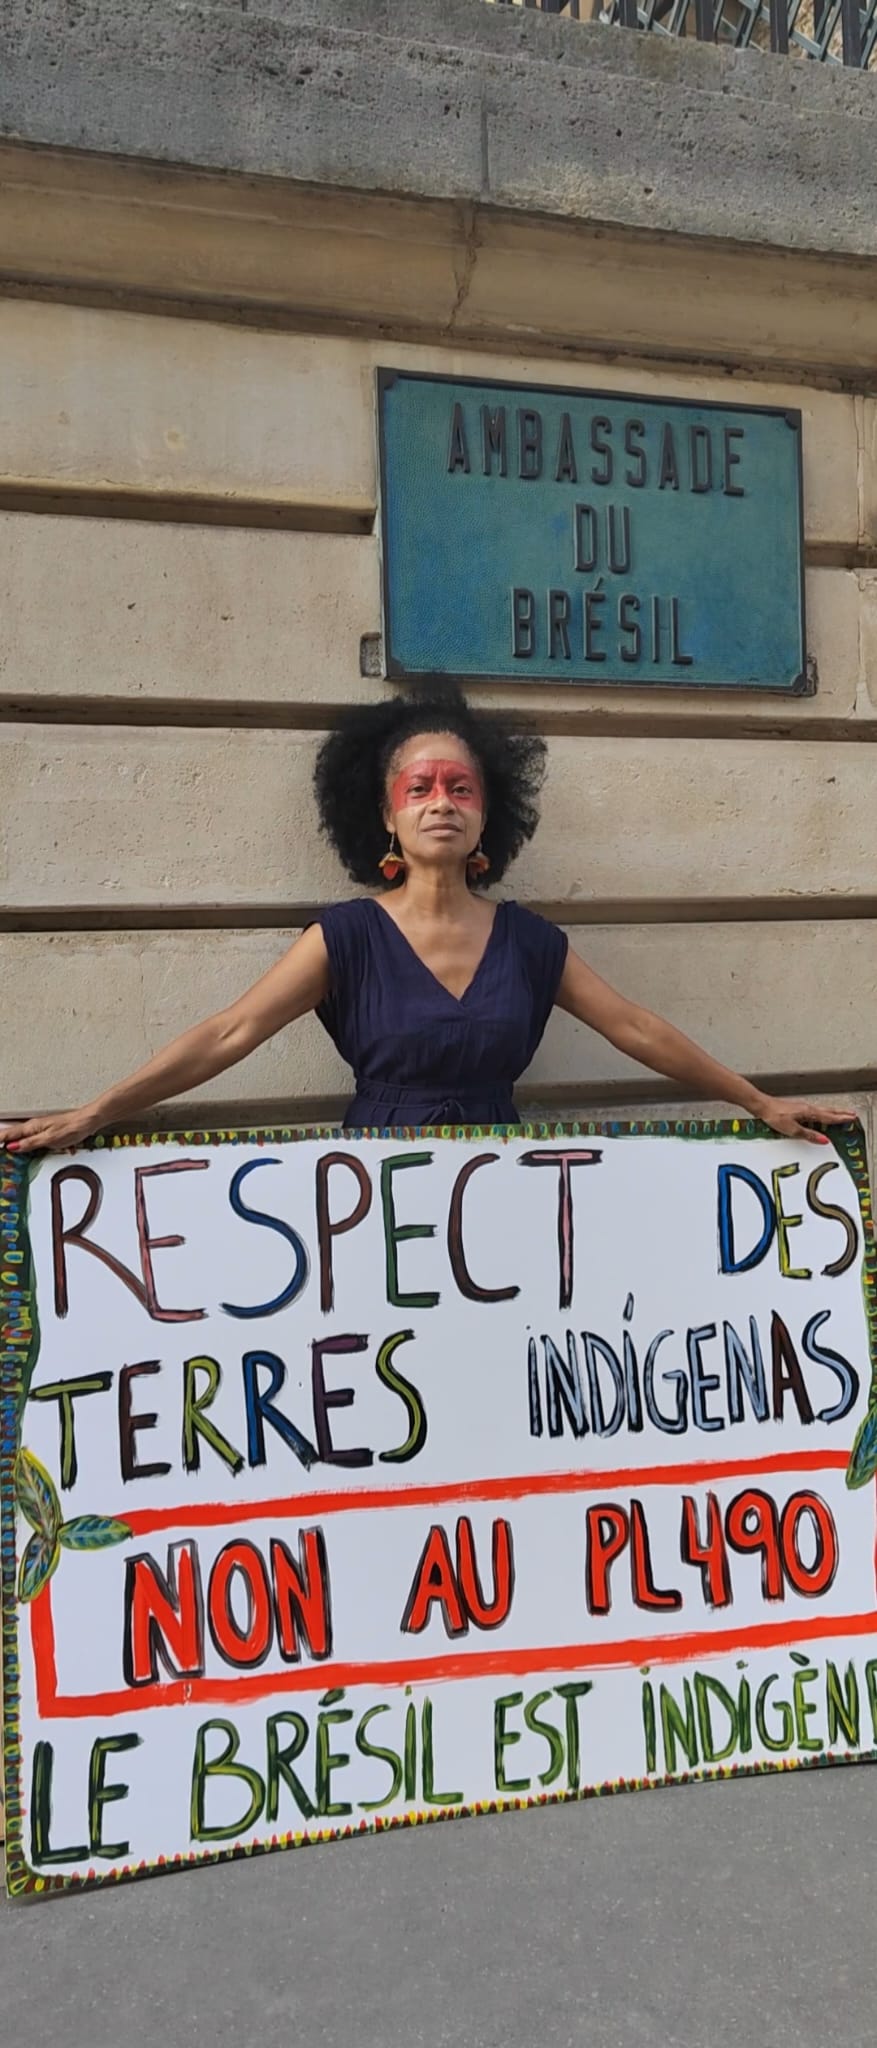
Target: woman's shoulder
x,y
349,914
344,927
531,926
542,943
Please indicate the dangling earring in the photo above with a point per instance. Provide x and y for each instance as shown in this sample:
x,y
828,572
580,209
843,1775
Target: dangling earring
x,y
478,863
393,863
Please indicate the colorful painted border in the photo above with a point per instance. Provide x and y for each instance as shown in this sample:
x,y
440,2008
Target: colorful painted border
x,y
19,1346
18,1349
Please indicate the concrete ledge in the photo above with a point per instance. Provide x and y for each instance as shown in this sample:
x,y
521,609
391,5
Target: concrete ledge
x,y
268,251
455,100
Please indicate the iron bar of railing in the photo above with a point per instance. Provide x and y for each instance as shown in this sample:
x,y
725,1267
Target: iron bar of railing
x,y
851,31
779,27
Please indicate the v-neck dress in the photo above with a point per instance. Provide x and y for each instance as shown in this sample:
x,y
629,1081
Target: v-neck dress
x,y
419,1054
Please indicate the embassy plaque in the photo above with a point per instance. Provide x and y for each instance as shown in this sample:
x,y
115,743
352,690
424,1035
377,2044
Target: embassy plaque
x,y
541,534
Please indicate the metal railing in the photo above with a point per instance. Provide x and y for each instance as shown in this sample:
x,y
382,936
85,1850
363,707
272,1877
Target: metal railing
x,y
829,31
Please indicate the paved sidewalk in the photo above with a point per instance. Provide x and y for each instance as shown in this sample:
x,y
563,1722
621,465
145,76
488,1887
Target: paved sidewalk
x,y
715,1916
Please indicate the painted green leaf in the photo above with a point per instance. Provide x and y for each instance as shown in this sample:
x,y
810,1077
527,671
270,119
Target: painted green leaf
x,y
863,1457
36,1496
37,1565
92,1532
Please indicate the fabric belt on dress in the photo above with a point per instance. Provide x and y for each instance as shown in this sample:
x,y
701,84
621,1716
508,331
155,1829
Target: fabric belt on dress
x,y
374,1105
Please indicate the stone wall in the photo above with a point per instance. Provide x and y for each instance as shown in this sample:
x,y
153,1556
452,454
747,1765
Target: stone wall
x,y
191,316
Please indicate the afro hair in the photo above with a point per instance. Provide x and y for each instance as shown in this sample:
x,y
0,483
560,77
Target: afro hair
x,y
350,777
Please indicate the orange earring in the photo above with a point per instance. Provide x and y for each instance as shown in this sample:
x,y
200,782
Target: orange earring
x,y
478,863
393,863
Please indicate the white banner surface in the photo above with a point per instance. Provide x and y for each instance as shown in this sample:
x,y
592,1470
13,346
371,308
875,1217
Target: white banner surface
x,y
348,1482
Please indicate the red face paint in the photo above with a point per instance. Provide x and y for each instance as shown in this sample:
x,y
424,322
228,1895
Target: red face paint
x,y
425,782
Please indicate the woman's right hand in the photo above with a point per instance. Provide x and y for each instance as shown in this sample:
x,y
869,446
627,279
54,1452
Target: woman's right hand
x,y
55,1133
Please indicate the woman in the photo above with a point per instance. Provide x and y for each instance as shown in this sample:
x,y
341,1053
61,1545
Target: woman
x,y
436,997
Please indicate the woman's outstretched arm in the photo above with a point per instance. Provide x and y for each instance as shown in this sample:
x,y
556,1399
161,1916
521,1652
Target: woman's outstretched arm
x,y
660,1046
295,985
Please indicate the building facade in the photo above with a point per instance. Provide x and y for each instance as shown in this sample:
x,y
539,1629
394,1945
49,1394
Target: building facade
x,y
217,224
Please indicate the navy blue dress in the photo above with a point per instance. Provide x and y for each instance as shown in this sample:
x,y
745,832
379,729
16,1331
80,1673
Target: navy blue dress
x,y
419,1054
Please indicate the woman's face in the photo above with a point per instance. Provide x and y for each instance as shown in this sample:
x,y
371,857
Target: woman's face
x,y
435,800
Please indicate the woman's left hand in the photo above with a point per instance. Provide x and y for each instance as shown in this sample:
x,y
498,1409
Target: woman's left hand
x,y
793,1118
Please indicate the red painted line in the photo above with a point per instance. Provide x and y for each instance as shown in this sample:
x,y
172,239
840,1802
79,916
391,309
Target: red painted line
x,y
221,1514
635,1652
42,1642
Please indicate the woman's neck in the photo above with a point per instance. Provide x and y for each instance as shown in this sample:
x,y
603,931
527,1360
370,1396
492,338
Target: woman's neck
x,y
434,894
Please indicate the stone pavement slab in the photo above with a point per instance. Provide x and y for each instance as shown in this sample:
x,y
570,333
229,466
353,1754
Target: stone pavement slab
x,y
709,1916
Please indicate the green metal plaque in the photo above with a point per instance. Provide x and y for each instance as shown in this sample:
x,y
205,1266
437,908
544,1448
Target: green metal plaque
x,y
548,535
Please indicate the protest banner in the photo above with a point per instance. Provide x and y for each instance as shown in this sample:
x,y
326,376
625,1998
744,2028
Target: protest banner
x,y
353,1481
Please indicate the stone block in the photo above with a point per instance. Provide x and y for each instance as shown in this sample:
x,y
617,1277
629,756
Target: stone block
x,y
108,403
108,819
124,612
